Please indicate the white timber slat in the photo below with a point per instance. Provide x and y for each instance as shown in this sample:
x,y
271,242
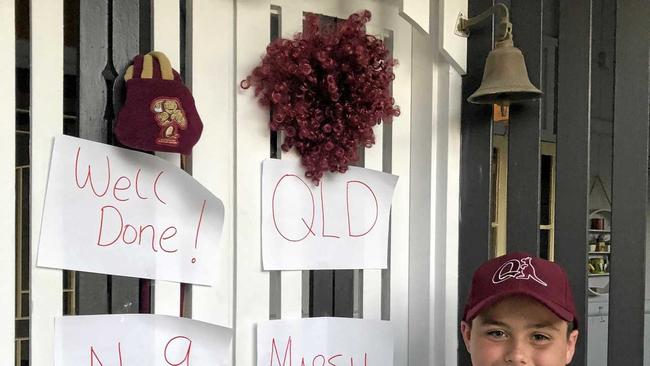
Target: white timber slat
x,y
291,281
417,12
7,180
371,288
439,116
252,147
372,277
423,168
452,46
166,38
445,185
46,122
452,216
213,156
308,6
342,9
166,26
400,162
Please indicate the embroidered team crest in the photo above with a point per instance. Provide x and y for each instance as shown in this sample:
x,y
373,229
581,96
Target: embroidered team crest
x,y
159,113
519,269
170,116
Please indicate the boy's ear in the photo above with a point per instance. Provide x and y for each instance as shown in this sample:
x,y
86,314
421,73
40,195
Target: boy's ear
x,y
571,345
466,331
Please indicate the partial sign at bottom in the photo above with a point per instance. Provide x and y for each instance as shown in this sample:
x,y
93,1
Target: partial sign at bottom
x,y
139,340
325,342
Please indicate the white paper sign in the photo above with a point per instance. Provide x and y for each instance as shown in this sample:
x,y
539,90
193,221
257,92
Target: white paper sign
x,y
139,340
340,224
116,211
325,342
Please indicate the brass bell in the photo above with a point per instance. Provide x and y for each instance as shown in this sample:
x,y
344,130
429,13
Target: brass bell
x,y
505,78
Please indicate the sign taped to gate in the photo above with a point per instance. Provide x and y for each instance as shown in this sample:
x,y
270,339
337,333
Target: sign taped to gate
x,y
117,211
325,341
340,224
139,339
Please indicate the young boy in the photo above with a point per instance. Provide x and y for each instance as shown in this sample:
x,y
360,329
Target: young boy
x,y
520,311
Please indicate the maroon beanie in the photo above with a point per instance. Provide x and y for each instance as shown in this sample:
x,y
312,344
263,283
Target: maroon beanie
x,y
159,113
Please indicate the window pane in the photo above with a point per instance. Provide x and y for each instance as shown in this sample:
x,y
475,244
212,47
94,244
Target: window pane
x,y
546,175
544,244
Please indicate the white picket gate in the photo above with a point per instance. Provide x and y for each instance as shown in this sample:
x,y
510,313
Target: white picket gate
x,y
227,39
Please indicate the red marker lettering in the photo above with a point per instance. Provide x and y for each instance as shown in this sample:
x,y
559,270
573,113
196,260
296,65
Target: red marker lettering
x,y
365,360
135,234
93,356
198,227
163,237
186,357
322,210
313,361
347,201
101,227
155,188
116,188
137,191
89,175
329,360
313,209
153,234
287,352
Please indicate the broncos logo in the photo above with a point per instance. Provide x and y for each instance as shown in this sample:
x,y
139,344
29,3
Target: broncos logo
x,y
170,116
519,269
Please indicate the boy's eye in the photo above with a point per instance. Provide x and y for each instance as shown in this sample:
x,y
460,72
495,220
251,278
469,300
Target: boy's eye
x,y
541,337
496,333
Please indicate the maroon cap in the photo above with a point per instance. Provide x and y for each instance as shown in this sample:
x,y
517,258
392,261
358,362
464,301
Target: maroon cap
x,y
521,274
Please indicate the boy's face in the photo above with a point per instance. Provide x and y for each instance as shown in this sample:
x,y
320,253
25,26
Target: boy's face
x,y
519,331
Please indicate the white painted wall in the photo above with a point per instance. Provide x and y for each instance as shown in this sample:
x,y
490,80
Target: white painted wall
x,y
419,295
46,116
212,78
166,38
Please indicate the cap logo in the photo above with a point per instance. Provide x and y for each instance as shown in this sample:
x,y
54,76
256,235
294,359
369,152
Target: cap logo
x,y
519,269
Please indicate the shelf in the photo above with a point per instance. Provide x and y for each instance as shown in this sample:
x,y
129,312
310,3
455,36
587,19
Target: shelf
x,y
598,253
598,274
596,231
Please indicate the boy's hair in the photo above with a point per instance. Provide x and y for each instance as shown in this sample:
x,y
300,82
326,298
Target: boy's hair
x,y
521,274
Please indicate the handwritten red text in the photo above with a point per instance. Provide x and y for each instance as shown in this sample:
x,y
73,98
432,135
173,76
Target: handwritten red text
x,y
299,188
336,359
176,353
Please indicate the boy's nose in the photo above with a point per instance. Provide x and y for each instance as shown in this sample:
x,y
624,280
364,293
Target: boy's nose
x,y
517,355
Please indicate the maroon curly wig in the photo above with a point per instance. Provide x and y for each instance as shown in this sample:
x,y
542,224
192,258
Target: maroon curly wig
x,y
326,91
